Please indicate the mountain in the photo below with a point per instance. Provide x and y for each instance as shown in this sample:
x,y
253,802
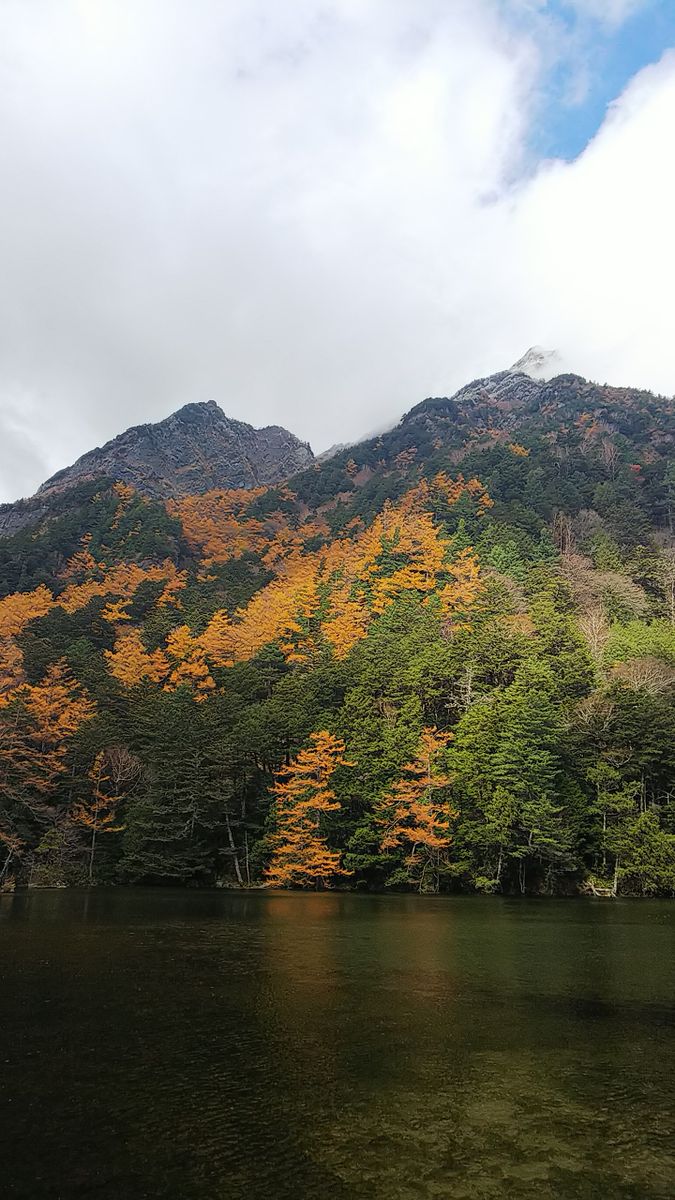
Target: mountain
x,y
193,450
538,363
441,659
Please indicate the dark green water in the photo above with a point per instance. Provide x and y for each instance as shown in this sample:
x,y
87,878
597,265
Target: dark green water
x,y
193,1045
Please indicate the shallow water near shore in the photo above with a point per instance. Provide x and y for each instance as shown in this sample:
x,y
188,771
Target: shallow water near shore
x,y
207,1044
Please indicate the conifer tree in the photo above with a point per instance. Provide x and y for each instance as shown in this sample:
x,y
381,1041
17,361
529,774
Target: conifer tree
x,y
97,814
302,797
416,814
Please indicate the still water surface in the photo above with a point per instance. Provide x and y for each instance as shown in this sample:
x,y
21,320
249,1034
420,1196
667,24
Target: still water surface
x,y
193,1045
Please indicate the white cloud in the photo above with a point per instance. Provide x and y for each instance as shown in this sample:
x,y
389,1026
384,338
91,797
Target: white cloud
x,y
609,12
307,213
592,248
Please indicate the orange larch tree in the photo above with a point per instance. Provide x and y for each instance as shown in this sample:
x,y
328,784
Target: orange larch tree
x,y
36,727
281,612
58,706
121,581
131,663
218,640
463,590
82,563
11,668
302,797
112,772
189,666
21,607
16,611
346,623
417,816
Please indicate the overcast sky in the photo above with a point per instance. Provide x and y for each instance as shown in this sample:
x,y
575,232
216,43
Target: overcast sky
x,y
318,212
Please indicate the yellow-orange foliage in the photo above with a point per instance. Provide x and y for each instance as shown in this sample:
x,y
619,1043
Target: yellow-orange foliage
x,y
122,581
21,607
15,613
518,450
99,812
302,794
11,668
342,585
131,663
82,562
347,624
452,490
189,663
464,589
58,705
280,612
401,531
286,542
217,525
125,493
218,640
116,612
413,816
35,733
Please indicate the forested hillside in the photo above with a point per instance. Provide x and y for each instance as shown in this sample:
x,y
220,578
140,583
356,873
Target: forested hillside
x,y
442,660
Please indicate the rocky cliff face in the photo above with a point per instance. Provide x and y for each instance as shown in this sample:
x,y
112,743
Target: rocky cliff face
x,y
194,450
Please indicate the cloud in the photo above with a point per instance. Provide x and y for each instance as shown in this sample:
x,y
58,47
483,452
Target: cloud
x,y
307,212
21,458
609,12
594,238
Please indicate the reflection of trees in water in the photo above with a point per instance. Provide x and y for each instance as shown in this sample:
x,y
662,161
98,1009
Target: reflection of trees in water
x,y
156,1039
464,1049
357,1048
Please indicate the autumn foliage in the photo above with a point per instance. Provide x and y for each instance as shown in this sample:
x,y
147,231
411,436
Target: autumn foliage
x,y
97,814
302,798
36,729
416,814
330,596
162,666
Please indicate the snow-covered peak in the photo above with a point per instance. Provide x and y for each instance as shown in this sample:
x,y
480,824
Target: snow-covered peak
x,y
538,364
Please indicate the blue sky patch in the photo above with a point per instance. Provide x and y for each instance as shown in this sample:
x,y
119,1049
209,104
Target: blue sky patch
x,y
596,64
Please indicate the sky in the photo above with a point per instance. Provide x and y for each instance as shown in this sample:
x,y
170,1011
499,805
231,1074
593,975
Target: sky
x,y
317,213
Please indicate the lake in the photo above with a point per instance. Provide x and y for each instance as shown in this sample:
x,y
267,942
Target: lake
x,y
279,1045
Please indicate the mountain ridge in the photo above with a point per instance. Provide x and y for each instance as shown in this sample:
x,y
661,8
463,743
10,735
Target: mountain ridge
x,y
192,450
152,456
468,621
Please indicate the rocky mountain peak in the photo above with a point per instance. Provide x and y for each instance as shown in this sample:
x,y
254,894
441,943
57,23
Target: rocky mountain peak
x,y
194,450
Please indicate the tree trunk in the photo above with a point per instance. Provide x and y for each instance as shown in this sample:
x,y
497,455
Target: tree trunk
x,y
604,836
5,868
233,848
246,859
93,851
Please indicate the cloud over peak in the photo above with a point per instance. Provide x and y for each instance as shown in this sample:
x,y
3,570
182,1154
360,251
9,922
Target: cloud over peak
x,y
314,214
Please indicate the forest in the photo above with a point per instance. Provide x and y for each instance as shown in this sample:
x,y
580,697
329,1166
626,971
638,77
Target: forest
x,y
444,660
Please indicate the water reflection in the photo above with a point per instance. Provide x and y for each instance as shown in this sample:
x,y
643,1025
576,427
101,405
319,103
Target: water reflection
x,y
274,1045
